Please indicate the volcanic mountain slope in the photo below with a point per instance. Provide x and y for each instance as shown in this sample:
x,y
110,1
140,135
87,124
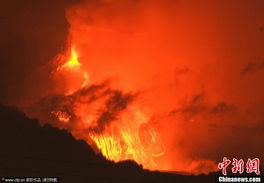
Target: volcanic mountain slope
x,y
29,150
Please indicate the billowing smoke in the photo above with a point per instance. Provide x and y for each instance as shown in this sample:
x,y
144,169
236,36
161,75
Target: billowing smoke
x,y
192,70
112,103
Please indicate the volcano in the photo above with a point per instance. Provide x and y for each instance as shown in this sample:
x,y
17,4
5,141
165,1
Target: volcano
x,y
125,89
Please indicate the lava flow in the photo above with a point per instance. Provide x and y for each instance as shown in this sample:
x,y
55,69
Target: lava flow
x,y
107,119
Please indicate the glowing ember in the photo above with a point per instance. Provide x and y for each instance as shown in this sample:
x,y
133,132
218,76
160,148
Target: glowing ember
x,y
62,116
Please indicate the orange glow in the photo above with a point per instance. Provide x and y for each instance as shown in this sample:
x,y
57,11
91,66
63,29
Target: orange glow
x,y
172,85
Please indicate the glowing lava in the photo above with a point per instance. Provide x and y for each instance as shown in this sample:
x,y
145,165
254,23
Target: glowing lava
x,y
71,73
62,116
73,62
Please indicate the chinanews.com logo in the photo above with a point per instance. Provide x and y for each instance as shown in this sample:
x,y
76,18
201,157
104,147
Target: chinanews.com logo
x,y
251,166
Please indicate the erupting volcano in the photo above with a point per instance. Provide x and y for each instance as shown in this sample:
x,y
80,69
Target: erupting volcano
x,y
171,85
96,114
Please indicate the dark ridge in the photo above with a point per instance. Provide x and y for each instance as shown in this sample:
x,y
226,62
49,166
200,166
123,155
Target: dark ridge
x,y
29,150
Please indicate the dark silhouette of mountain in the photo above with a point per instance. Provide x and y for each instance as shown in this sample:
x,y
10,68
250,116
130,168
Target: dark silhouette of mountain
x,y
31,150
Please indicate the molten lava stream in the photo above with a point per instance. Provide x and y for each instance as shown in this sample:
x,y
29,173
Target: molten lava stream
x,y
127,145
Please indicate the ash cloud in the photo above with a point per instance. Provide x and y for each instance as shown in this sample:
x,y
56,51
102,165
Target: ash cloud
x,y
198,105
116,103
252,67
223,107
